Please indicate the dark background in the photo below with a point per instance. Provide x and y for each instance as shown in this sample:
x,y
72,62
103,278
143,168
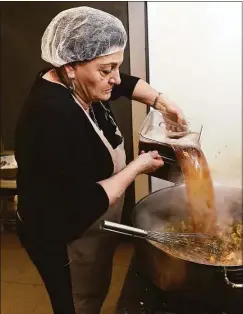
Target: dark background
x,y
22,26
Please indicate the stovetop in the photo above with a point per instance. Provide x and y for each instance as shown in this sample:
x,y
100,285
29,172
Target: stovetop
x,y
140,296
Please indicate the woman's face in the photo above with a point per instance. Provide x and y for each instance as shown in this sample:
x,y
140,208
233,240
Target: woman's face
x,y
95,79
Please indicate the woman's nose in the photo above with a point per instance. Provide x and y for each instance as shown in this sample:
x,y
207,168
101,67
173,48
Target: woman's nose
x,y
115,79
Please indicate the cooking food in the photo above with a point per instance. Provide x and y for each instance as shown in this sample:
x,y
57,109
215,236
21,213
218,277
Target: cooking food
x,y
228,245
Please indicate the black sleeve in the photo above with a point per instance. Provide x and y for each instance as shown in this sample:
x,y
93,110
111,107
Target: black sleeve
x,y
126,87
70,171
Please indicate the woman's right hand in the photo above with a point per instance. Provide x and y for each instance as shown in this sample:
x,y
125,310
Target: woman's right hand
x,y
148,162
116,185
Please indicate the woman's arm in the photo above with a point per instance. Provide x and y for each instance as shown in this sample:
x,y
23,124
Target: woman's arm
x,y
146,94
89,199
117,184
137,89
125,88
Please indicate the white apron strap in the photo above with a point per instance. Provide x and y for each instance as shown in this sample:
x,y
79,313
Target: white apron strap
x,y
118,154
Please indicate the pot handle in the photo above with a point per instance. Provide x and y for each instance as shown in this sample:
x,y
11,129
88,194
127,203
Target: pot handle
x,y
123,229
230,283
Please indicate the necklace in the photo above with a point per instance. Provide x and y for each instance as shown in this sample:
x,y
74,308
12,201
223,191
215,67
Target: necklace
x,y
108,116
94,117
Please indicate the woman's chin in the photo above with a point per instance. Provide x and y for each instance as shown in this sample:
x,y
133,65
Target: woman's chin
x,y
105,96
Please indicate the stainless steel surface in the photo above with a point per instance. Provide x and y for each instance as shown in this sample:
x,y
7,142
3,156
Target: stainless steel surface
x,y
123,229
167,159
229,282
165,238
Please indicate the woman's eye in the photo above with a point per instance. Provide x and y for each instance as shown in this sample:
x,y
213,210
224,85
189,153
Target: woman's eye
x,y
106,72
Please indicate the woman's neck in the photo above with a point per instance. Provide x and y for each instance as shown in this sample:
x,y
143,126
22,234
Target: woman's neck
x,y
84,104
53,77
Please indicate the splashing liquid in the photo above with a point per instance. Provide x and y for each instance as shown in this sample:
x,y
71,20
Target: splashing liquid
x,y
199,187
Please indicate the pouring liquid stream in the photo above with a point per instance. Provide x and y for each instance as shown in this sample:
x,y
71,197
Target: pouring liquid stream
x,y
199,187
200,199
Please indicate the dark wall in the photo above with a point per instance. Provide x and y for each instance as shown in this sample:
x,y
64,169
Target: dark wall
x,y
23,24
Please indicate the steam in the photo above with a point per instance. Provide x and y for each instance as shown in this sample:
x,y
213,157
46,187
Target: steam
x,y
229,208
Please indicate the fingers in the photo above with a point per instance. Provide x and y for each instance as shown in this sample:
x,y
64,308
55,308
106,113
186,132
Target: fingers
x,y
158,162
175,115
172,110
154,154
157,159
181,118
150,161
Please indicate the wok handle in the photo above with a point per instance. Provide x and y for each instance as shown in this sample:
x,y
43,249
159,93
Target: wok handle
x,y
123,229
168,160
230,283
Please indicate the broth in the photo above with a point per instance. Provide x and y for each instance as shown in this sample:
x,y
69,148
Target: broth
x,y
199,187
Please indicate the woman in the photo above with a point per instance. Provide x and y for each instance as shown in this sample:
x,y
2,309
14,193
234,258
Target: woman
x,y
71,161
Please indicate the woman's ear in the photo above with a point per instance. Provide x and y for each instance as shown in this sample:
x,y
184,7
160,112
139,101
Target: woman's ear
x,y
70,71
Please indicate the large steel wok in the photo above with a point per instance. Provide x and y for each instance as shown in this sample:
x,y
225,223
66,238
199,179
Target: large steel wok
x,y
168,206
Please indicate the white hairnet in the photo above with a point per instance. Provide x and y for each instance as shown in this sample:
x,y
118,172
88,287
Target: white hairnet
x,y
82,33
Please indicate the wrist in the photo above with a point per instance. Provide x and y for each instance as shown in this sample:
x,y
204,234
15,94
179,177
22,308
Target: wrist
x,y
135,168
158,103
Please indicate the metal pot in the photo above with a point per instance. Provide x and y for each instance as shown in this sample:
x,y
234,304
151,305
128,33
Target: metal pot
x,y
166,206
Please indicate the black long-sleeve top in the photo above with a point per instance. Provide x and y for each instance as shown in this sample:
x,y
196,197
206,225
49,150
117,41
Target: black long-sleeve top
x,y
60,159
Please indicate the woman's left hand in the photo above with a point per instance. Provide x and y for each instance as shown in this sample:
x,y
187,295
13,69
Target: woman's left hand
x,y
146,94
169,110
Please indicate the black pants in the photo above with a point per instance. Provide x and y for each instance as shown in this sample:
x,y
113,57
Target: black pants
x,y
51,264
